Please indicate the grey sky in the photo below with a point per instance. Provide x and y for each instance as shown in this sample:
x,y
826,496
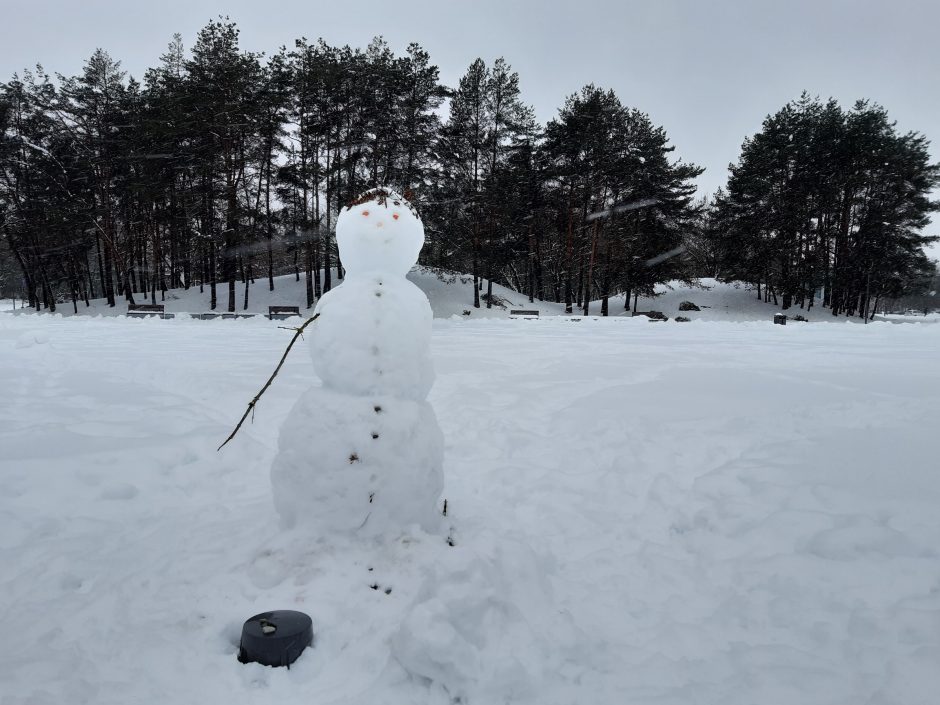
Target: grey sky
x,y
707,71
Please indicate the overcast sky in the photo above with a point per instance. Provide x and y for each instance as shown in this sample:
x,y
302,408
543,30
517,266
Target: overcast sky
x,y
706,71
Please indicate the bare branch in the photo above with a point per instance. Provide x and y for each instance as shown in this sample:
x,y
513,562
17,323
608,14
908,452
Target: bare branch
x,y
251,405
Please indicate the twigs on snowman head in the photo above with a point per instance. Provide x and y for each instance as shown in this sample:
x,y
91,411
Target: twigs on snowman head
x,y
299,331
381,195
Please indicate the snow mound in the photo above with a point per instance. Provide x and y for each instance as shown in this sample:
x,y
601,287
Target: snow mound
x,y
31,339
480,631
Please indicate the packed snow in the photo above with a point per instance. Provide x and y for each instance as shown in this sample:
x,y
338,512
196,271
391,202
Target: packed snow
x,y
364,452
710,512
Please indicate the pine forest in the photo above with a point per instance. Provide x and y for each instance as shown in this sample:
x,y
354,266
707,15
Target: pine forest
x,y
223,165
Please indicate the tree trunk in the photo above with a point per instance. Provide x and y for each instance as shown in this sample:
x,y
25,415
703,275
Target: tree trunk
x,y
476,270
308,270
212,279
106,277
569,257
269,232
605,282
247,281
590,270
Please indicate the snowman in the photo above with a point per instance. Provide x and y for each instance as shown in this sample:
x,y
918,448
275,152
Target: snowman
x,y
364,453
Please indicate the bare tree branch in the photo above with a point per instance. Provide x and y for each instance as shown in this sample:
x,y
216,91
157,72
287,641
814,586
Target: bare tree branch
x,y
251,404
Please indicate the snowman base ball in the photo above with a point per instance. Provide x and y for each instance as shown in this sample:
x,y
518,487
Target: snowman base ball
x,y
368,465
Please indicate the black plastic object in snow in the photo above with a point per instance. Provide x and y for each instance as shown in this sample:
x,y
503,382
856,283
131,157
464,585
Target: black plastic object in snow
x,y
275,638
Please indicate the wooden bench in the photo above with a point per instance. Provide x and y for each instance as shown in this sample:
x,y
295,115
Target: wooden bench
x,y
144,310
227,315
524,314
279,313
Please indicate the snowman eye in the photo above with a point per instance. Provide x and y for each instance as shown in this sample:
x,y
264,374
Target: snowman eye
x,y
366,213
395,216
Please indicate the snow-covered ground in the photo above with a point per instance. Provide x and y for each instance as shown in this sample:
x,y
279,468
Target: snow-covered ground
x,y
703,513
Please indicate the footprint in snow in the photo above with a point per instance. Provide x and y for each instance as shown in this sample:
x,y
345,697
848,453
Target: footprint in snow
x,y
375,586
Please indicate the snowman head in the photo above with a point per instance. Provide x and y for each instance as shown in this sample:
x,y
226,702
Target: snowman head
x,y
379,232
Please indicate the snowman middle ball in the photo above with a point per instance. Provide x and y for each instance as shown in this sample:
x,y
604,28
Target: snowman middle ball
x,y
373,338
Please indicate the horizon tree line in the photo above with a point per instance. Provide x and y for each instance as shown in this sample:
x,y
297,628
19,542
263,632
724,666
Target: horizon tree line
x,y
224,165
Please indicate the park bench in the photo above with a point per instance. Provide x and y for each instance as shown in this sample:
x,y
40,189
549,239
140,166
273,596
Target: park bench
x,y
144,310
524,314
279,313
227,315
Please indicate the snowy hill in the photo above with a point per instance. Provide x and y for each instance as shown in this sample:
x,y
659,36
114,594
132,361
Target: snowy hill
x,y
722,301
451,294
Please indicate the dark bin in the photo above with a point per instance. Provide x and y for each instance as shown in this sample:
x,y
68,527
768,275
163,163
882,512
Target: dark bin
x,y
275,638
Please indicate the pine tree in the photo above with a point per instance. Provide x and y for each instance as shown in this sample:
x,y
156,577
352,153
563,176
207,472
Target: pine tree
x,y
826,199
222,85
624,201
463,154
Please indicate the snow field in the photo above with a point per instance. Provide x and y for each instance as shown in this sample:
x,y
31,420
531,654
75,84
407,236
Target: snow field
x,y
726,513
